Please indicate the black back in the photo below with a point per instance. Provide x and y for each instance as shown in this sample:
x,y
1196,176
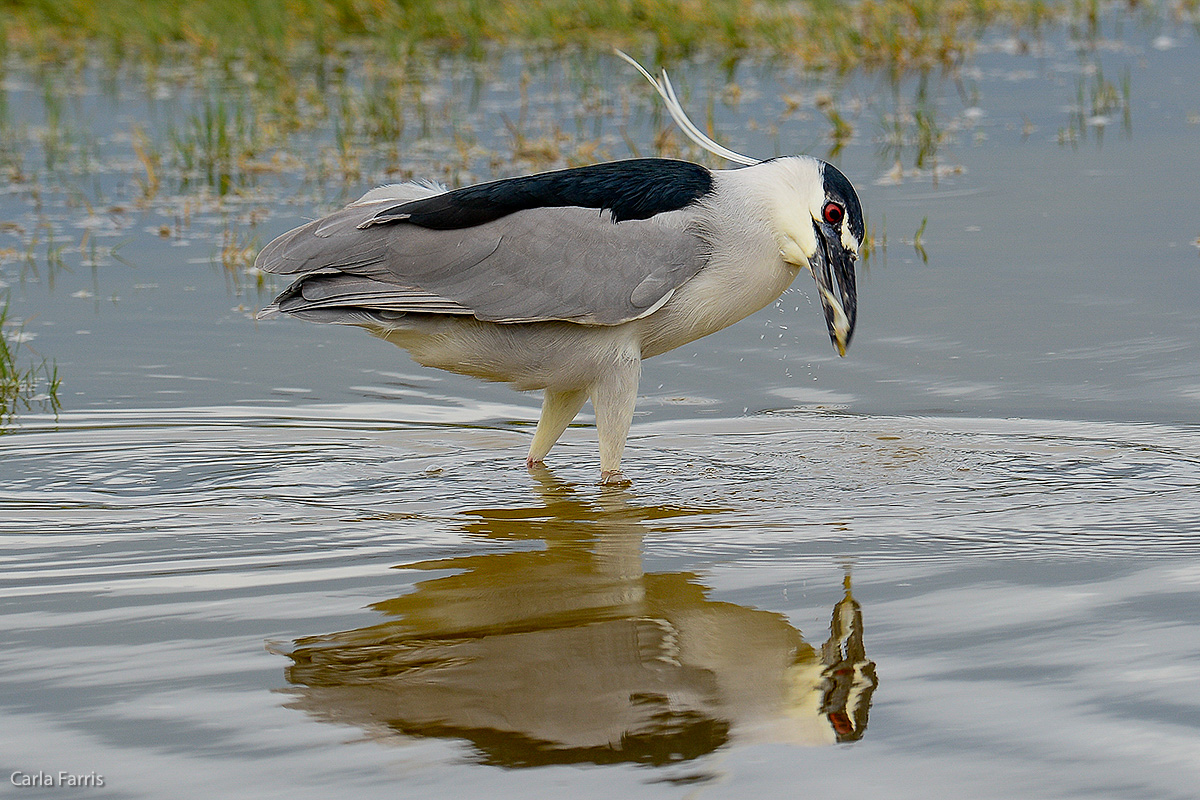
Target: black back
x,y
633,189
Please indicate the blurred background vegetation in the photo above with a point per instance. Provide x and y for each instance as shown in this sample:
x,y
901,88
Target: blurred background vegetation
x,y
817,33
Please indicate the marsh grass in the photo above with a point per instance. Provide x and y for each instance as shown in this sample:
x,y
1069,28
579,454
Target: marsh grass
x,y
254,75
31,386
821,33
1098,102
217,143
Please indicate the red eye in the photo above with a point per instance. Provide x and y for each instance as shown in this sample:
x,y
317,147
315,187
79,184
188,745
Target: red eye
x,y
833,213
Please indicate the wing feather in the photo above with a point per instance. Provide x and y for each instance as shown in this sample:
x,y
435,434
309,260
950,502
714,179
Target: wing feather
x,y
539,264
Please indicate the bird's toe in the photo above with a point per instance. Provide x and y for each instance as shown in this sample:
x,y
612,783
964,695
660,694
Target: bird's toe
x,y
614,478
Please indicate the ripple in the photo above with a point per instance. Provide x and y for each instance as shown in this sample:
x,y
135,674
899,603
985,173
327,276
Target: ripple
x,y
147,556
810,483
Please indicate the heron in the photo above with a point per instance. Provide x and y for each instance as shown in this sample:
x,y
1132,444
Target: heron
x,y
565,281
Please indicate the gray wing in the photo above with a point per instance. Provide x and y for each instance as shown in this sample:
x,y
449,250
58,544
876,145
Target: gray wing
x,y
539,264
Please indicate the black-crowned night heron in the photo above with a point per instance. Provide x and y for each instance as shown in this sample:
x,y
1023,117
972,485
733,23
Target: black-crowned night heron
x,y
564,281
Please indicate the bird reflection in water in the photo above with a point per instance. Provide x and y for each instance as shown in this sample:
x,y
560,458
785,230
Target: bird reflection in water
x,y
570,653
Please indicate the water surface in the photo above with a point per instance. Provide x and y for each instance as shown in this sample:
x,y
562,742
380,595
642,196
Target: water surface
x,y
239,600
256,559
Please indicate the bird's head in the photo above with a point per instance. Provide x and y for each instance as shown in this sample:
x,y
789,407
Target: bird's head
x,y
819,227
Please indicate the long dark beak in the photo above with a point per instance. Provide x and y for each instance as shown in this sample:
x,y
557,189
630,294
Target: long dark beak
x,y
833,267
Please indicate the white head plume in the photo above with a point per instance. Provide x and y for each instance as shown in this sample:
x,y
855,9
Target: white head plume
x,y
667,92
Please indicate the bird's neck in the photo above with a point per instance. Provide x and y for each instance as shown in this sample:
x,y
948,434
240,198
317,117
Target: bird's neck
x,y
744,273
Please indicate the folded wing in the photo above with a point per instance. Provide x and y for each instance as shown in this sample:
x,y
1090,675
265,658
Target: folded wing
x,y
534,264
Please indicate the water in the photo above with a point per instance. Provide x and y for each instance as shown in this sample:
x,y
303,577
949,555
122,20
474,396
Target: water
x,y
266,559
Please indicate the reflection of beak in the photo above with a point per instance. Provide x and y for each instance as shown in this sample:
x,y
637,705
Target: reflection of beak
x,y
833,267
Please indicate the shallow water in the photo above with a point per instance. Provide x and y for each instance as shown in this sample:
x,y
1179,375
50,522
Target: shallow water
x,y
265,559
240,600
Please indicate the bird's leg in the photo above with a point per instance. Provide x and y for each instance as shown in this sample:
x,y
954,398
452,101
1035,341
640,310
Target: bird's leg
x,y
558,409
613,398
